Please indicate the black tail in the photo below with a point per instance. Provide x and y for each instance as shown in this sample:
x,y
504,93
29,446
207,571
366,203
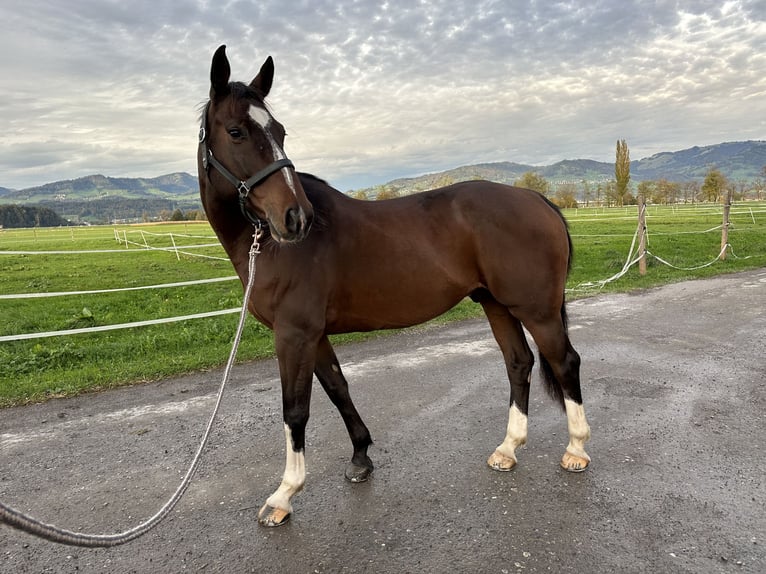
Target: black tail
x,y
552,385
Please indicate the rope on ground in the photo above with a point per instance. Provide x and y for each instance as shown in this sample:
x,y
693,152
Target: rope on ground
x,y
629,262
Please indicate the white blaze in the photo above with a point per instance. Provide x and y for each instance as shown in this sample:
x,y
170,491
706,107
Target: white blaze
x,y
263,119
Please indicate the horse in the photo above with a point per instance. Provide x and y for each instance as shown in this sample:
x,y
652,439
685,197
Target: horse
x,y
333,264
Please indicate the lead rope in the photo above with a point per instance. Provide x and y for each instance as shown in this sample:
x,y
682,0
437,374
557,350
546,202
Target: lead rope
x,y
18,519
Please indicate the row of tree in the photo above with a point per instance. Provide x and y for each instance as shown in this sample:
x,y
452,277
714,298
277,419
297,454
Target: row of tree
x,y
14,216
178,215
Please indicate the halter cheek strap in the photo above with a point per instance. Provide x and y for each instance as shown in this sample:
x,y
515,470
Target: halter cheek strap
x,y
243,186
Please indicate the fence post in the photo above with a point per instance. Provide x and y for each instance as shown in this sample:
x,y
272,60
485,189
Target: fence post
x,y
173,241
642,234
725,226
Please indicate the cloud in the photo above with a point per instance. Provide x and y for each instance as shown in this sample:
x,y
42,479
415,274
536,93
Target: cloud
x,y
369,91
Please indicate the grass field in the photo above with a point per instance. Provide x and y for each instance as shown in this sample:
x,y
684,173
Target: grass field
x,y
44,261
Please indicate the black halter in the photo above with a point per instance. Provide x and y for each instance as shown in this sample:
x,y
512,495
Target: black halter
x,y
243,186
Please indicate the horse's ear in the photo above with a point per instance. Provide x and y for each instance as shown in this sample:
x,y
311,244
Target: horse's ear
x,y
219,73
262,82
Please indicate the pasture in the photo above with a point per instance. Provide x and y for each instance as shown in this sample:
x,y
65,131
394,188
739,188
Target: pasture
x,y
83,259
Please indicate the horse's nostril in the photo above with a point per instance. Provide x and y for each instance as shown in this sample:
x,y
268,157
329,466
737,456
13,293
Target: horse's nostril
x,y
295,221
292,220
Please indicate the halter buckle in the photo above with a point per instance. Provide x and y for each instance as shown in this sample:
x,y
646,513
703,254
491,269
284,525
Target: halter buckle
x,y
243,189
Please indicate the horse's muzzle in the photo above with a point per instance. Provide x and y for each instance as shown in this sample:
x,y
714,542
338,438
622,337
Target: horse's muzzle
x,y
297,225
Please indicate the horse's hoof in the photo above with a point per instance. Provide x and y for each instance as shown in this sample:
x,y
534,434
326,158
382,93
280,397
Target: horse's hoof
x,y
573,463
271,517
357,473
501,462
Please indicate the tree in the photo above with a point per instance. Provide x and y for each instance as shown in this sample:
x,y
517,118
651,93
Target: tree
x,y
360,194
566,195
669,190
714,185
759,185
587,192
622,171
599,193
386,192
534,181
444,180
610,194
28,216
690,191
660,191
648,189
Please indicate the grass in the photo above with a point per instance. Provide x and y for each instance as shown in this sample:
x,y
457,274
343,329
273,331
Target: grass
x,y
37,369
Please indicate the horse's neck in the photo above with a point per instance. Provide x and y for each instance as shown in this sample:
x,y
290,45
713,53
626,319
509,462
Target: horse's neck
x,y
234,233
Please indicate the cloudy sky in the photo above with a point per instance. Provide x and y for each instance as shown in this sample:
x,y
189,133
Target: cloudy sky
x,y
369,90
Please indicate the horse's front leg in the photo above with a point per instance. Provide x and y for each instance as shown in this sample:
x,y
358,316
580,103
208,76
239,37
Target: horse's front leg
x,y
296,356
328,372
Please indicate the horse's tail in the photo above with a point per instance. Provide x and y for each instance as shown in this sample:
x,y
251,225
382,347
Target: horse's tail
x,y
552,385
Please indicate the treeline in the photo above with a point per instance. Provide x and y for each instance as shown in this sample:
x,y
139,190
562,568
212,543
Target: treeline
x,y
109,209
662,191
14,216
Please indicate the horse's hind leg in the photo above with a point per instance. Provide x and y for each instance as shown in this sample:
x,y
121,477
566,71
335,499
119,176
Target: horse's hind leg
x,y
327,370
518,362
560,366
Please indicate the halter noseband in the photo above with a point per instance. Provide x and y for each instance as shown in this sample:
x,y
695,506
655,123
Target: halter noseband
x,y
243,186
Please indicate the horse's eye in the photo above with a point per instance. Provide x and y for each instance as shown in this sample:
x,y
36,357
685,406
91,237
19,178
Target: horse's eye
x,y
236,133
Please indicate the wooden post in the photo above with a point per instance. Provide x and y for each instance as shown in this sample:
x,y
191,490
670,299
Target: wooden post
x,y
725,226
642,234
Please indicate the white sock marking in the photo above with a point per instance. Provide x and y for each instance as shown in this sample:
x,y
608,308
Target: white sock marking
x,y
293,478
579,431
516,432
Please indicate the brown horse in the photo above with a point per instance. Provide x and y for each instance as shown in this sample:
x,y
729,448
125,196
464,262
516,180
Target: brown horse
x,y
333,264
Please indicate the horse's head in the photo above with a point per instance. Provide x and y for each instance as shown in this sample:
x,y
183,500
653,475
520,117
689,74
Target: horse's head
x,y
241,159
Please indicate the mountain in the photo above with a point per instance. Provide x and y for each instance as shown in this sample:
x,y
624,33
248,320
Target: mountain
x,y
98,199
738,161
175,186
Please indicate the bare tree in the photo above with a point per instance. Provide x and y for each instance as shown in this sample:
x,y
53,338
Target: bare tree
x,y
566,195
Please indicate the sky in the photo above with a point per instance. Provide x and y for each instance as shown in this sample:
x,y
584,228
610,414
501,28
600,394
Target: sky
x,y
370,91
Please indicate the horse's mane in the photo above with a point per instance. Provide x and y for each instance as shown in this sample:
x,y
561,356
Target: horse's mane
x,y
312,176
